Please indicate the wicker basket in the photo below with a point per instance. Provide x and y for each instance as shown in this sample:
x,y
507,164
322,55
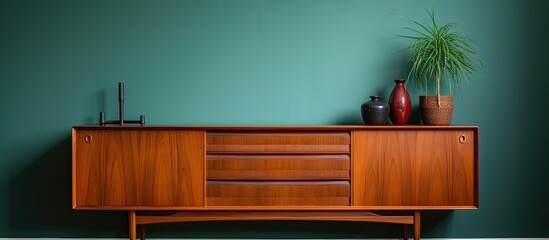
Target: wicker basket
x,y
432,114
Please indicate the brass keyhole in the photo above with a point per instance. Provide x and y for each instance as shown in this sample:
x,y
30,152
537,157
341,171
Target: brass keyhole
x,y
88,138
462,139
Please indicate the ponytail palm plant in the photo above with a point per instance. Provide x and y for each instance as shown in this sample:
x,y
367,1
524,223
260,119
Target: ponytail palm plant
x,y
441,53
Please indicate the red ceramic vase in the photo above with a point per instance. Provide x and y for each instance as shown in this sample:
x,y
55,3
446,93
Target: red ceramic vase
x,y
400,104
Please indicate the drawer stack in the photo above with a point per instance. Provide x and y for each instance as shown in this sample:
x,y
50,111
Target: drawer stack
x,y
278,169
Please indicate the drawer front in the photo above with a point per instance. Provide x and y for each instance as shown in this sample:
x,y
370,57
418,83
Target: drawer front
x,y
278,193
276,142
278,167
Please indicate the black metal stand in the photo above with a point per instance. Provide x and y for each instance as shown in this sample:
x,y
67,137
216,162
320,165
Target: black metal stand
x,y
121,121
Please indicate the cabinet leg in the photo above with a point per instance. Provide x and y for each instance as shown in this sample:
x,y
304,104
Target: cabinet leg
x,y
405,231
142,231
131,216
417,225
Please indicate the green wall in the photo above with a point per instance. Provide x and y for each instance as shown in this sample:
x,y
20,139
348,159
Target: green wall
x,y
279,62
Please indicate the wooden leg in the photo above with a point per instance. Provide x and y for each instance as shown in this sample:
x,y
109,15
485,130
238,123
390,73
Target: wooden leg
x,y
142,234
405,231
417,225
132,222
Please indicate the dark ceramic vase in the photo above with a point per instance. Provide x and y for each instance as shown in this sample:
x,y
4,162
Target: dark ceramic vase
x,y
375,111
400,104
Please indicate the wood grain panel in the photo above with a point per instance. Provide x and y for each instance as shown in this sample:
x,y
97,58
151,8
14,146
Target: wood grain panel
x,y
272,167
287,207
278,201
277,142
173,171
88,170
407,168
269,149
138,168
280,193
268,138
307,215
278,189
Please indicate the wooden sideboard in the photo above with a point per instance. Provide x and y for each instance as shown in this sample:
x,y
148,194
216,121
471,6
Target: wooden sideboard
x,y
325,173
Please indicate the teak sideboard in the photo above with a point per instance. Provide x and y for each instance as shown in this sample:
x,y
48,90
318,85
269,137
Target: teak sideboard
x,y
326,173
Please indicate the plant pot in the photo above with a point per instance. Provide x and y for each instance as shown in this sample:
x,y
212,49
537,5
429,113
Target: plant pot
x,y
432,114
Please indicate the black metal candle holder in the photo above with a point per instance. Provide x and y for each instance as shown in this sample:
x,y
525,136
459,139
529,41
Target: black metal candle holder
x,y
121,121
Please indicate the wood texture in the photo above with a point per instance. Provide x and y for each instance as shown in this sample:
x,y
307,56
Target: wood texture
x,y
278,193
199,216
277,167
132,222
97,175
278,201
278,142
275,173
414,168
138,168
417,225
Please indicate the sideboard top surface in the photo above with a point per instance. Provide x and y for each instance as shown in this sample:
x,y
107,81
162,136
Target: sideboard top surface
x,y
281,128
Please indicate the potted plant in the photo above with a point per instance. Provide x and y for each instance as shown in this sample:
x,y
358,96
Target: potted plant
x,y
440,54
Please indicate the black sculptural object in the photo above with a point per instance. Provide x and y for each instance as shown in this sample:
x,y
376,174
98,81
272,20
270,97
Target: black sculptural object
x,y
121,121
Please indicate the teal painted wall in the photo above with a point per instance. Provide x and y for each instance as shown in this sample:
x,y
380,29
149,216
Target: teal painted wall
x,y
280,62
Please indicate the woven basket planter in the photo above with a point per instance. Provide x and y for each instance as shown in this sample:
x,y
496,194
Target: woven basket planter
x,y
432,114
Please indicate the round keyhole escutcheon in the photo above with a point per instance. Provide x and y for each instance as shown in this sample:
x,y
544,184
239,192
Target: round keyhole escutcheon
x,y
88,138
462,139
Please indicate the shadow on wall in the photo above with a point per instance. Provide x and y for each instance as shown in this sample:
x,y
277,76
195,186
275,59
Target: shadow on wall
x,y
40,202
40,198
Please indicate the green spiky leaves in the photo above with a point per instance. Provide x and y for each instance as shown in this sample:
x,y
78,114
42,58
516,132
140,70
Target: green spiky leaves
x,y
441,53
